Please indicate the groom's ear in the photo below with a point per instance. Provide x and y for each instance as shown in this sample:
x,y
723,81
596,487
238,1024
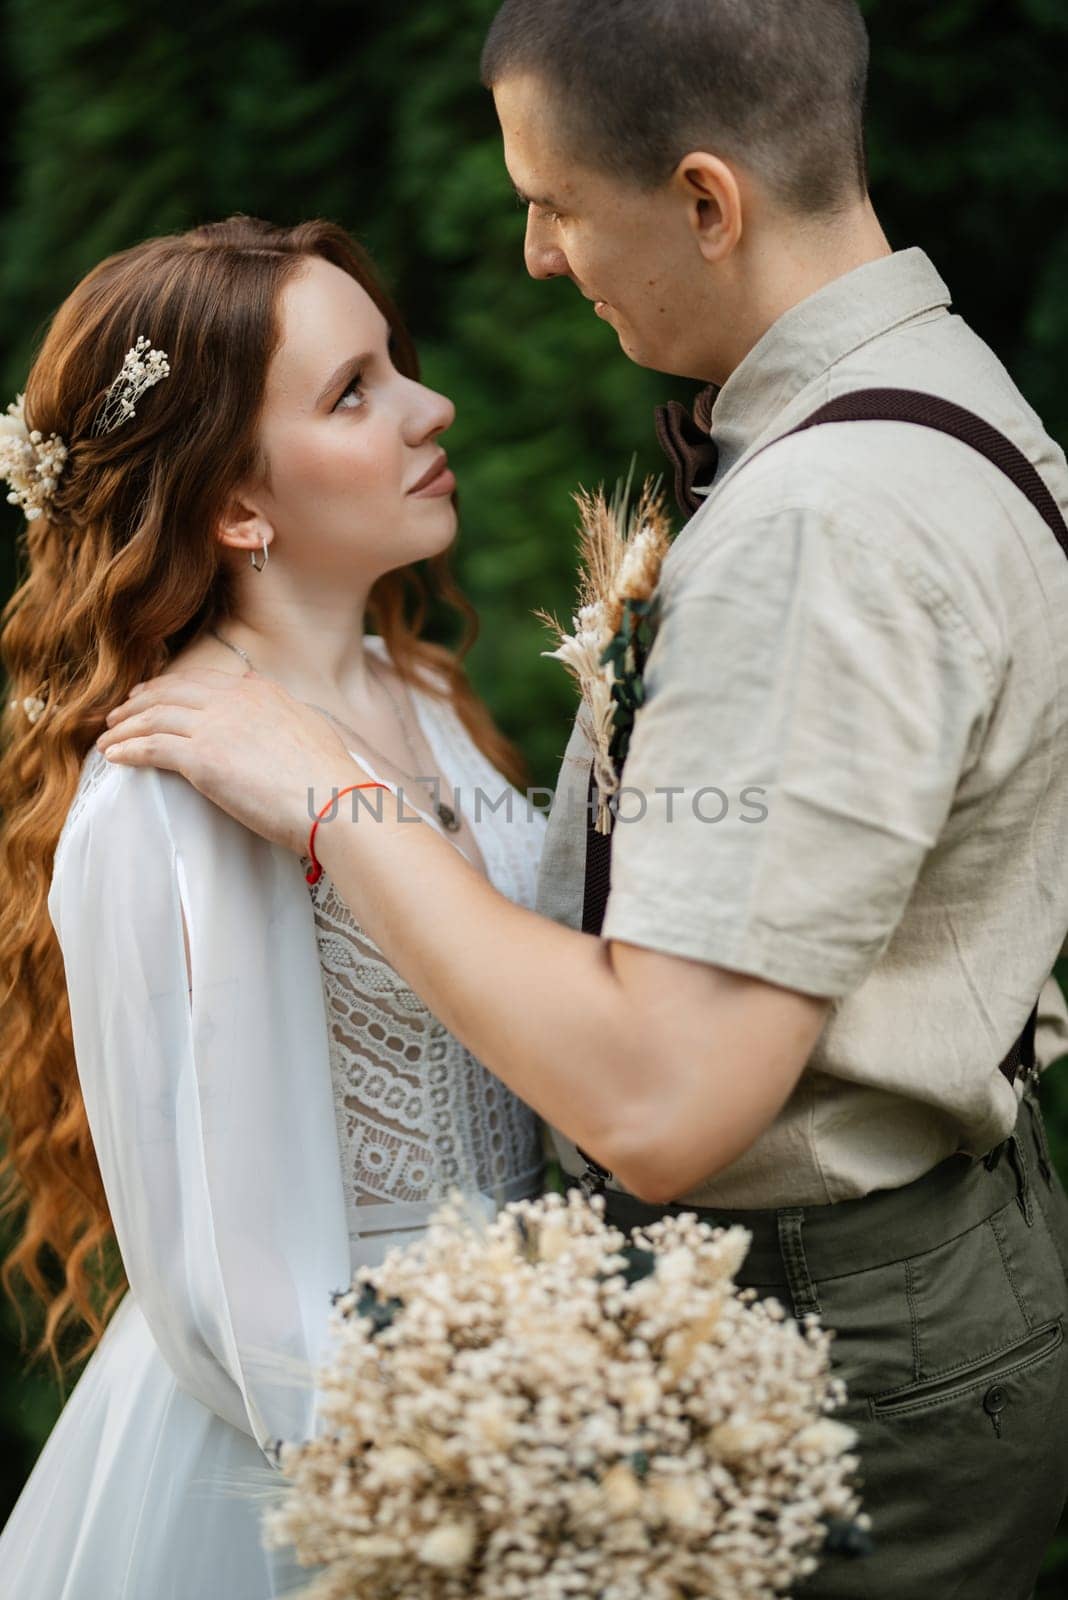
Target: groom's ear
x,y
713,198
242,525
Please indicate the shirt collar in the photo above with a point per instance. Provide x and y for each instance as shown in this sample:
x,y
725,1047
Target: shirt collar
x,y
806,341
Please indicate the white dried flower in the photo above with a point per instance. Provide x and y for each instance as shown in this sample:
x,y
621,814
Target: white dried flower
x,y
620,1490
734,1441
32,705
398,1464
826,1437
492,1423
681,1502
30,463
554,1239
642,1392
450,1545
640,566
141,369
676,1266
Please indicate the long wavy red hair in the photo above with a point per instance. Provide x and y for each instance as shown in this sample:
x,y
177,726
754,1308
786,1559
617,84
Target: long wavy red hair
x,y
122,571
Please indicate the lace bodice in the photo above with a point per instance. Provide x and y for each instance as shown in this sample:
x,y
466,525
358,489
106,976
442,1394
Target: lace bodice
x,y
416,1112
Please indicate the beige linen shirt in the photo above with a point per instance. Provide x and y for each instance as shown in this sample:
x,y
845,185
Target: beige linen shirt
x,y
864,650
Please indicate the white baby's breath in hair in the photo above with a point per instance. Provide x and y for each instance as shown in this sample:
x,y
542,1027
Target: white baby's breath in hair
x,y
32,705
142,368
30,463
540,1408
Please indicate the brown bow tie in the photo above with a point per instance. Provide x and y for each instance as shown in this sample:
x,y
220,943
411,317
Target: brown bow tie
x,y
689,446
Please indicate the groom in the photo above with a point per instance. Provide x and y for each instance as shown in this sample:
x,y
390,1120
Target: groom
x,y
869,622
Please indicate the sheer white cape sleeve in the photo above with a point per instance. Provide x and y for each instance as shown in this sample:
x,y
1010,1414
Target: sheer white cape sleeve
x,y
212,1117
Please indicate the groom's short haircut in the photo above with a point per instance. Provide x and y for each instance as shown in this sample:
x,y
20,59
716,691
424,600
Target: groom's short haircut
x,y
779,85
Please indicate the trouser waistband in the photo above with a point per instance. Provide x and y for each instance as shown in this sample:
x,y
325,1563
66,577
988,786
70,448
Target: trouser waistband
x,y
386,1216
797,1246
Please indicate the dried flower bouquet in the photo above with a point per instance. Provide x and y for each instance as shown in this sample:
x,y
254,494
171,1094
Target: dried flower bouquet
x,y
539,1408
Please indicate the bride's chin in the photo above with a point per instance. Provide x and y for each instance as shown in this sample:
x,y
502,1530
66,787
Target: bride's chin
x,y
447,529
450,517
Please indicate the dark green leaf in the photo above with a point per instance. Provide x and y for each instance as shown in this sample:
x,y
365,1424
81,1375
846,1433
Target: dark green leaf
x,y
381,1312
846,1538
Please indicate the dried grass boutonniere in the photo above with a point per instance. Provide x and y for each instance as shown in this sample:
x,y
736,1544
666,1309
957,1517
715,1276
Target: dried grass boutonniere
x,y
621,552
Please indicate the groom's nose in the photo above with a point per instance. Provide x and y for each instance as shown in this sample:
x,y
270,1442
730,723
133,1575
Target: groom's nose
x,y
544,259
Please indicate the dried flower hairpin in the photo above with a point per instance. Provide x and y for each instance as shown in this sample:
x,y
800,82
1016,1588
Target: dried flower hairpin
x,y
32,705
142,368
31,463
616,622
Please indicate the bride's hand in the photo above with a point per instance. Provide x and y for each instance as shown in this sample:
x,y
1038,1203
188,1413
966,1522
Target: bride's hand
x,y
246,743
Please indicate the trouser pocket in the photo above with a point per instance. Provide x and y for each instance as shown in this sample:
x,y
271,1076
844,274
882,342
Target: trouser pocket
x,y
987,1375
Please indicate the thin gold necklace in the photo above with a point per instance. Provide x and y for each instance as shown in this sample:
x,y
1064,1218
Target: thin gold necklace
x,y
446,815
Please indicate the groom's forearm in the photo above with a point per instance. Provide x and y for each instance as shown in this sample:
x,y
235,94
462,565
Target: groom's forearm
x,y
538,1004
663,1069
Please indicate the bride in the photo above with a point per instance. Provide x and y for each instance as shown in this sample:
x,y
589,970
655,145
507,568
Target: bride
x,y
227,462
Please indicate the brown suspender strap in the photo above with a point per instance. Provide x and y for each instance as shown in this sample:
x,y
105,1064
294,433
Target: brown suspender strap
x,y
598,865
872,405
931,411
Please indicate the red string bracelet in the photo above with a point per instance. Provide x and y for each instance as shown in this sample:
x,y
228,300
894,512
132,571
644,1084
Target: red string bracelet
x,y
315,871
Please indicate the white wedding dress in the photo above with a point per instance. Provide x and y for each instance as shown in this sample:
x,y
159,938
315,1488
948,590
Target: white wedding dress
x,y
295,1117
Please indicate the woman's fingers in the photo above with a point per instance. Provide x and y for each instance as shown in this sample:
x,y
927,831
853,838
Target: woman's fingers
x,y
194,687
135,703
174,719
167,750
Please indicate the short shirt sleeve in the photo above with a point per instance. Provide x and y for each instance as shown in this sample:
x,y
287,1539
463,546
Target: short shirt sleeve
x,y
816,700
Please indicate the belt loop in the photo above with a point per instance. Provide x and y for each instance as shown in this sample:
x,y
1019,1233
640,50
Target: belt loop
x,y
1038,1127
992,1157
802,1289
1023,1186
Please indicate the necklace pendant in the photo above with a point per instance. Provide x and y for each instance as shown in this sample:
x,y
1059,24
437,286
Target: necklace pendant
x,y
448,817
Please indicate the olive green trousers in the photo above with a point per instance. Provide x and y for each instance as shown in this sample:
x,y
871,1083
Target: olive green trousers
x,y
947,1298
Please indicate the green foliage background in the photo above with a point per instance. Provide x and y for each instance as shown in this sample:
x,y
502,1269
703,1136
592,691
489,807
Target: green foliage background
x,y
125,118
